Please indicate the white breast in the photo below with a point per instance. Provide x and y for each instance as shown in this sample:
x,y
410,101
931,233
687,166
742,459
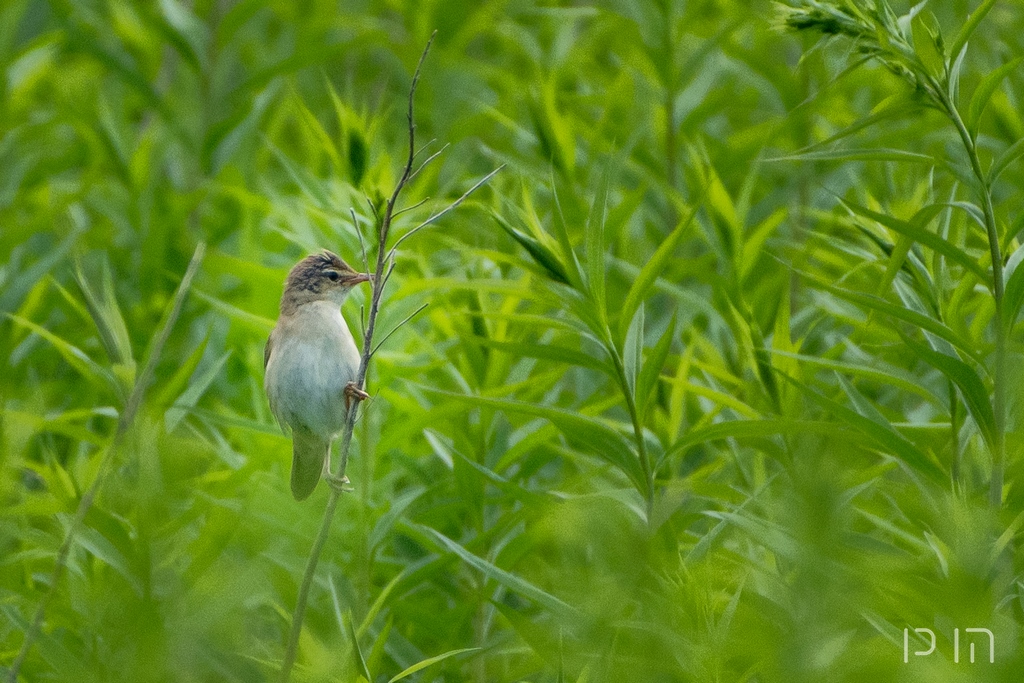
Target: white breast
x,y
312,358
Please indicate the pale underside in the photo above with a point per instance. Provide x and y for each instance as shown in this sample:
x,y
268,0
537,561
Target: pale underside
x,y
311,356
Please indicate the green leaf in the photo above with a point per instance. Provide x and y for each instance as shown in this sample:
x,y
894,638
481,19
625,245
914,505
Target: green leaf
x,y
545,351
316,129
100,546
881,154
953,87
749,429
866,419
1013,296
106,315
903,380
356,650
647,383
602,440
914,229
189,398
505,578
312,186
189,36
914,318
561,230
960,42
429,662
595,251
651,271
75,357
541,253
762,356
983,93
1011,154
163,332
14,286
632,351
971,387
892,107
897,260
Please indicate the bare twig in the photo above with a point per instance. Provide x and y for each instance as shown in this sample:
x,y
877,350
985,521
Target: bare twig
x,y
350,416
391,269
446,209
422,149
414,206
373,208
396,328
124,423
429,159
362,245
385,263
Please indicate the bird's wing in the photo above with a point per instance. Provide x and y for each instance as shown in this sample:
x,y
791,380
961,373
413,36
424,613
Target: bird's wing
x,y
266,350
309,452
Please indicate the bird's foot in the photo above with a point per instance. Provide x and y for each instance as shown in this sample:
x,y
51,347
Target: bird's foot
x,y
340,484
354,393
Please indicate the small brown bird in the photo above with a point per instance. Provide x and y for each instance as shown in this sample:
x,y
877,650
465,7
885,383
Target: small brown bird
x,y
310,364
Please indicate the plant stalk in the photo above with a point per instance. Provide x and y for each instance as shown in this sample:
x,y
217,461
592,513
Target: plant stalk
x,y
638,435
998,286
382,272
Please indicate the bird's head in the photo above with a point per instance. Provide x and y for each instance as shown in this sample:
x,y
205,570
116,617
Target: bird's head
x,y
320,277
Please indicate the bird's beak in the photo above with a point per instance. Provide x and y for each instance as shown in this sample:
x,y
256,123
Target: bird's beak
x,y
360,278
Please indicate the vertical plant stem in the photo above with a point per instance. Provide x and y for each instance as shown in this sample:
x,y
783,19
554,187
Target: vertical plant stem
x,y
380,278
124,424
638,435
999,363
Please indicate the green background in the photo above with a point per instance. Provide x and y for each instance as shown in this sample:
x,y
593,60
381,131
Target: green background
x,y
699,256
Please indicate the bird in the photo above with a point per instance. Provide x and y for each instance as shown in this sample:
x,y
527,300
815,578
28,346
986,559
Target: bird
x,y
311,364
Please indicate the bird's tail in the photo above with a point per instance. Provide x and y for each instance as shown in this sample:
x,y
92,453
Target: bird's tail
x,y
308,456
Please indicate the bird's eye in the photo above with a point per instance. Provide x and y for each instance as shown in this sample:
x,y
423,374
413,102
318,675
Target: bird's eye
x,y
332,275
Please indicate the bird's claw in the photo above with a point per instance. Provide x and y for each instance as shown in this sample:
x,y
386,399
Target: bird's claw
x,y
354,392
337,483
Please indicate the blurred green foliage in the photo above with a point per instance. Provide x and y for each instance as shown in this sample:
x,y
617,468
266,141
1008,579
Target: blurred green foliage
x,y
700,393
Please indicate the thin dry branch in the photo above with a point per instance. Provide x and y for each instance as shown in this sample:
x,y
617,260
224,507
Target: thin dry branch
x,y
350,417
414,206
385,264
445,210
397,327
362,244
428,160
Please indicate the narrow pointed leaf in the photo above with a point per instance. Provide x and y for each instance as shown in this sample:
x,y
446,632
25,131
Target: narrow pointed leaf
x,y
869,421
601,439
419,666
983,93
650,272
914,318
552,352
1011,154
356,650
968,28
74,357
505,578
647,383
914,230
544,257
632,350
971,386
595,247
859,155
